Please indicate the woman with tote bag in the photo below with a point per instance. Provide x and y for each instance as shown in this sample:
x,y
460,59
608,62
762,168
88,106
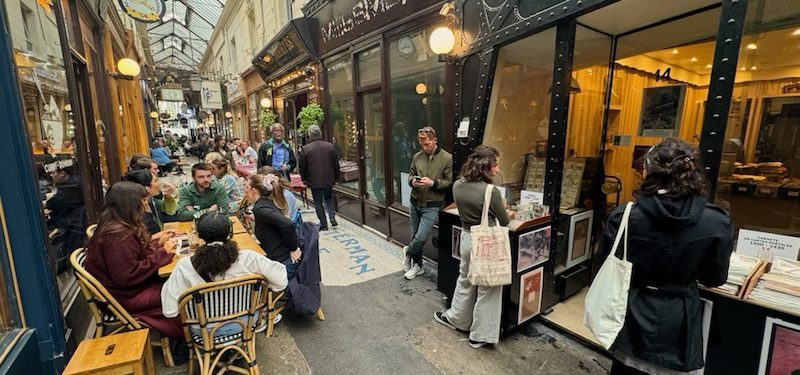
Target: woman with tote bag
x,y
476,309
675,239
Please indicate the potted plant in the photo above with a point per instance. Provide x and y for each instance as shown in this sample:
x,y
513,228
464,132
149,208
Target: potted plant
x,y
266,119
310,115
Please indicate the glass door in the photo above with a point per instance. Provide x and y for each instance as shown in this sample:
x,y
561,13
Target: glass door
x,y
374,187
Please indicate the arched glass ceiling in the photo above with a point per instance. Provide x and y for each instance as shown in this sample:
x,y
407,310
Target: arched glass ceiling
x,y
181,38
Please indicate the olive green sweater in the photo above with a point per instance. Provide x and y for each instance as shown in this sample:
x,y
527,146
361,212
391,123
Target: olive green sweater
x,y
469,200
439,168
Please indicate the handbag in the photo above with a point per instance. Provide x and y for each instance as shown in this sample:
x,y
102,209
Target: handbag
x,y
607,300
490,255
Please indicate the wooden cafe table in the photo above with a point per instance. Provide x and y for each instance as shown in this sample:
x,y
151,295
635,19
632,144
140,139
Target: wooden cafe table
x,y
242,238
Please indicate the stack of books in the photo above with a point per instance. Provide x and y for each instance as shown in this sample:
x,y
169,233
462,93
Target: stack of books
x,y
780,286
741,269
774,171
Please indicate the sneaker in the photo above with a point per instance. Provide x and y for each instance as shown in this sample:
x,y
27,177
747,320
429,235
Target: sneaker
x,y
334,223
439,317
323,228
263,326
414,271
407,261
477,344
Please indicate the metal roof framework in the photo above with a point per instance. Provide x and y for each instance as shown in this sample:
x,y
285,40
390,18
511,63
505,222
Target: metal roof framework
x,y
181,38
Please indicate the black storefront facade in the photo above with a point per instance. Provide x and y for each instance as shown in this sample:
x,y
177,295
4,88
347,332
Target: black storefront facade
x,y
572,93
379,83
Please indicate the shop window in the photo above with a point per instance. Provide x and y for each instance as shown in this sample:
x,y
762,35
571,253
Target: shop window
x,y
417,100
9,310
369,67
518,115
659,88
343,120
759,177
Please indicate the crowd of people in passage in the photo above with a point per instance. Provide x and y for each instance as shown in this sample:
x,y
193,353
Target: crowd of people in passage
x,y
676,237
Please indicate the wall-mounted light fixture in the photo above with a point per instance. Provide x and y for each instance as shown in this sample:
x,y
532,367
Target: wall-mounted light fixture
x,y
421,88
154,115
442,41
266,103
228,115
127,69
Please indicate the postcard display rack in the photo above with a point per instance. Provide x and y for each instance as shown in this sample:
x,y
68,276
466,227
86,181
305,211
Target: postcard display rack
x,y
755,318
542,276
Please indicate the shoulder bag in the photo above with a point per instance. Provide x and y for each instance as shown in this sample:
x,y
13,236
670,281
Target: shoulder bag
x,y
490,255
607,300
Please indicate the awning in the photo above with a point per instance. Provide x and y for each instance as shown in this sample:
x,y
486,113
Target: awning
x,y
289,48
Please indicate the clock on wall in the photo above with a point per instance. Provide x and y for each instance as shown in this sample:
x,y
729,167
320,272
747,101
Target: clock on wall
x,y
405,46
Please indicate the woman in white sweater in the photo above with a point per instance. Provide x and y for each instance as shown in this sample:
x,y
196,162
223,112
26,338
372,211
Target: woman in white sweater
x,y
219,259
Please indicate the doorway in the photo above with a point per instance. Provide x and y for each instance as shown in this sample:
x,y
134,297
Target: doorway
x,y
291,109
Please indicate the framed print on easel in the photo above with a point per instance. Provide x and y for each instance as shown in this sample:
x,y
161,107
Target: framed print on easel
x,y
580,236
530,295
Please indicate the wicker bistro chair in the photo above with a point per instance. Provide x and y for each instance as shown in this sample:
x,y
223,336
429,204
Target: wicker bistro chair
x,y
210,306
109,316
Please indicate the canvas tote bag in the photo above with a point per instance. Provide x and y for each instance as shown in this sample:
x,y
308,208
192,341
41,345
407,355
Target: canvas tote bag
x,y
607,300
490,256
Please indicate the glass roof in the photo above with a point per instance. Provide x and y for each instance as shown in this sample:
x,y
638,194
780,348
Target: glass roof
x,y
181,38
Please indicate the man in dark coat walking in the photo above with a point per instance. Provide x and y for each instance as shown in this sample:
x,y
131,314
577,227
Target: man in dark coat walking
x,y
319,168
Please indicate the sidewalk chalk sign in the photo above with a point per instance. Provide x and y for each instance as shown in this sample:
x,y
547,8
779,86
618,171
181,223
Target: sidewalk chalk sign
x,y
756,244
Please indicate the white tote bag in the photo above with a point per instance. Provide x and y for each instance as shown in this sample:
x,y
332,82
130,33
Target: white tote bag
x,y
607,300
490,256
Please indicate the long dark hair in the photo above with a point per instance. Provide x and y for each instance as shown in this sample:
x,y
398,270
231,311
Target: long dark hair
x,y
122,213
276,194
672,167
479,164
140,176
219,253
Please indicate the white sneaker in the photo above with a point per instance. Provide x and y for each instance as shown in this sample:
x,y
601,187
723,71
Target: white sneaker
x,y
263,326
414,271
407,261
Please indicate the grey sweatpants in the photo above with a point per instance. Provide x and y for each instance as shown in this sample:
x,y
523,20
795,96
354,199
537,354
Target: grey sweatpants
x,y
475,309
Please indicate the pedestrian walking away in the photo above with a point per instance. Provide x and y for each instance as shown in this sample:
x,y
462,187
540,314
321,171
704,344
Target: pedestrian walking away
x,y
430,178
319,168
476,309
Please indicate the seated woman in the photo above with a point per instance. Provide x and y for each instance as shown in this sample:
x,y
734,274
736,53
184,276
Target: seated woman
x,y
220,168
167,203
272,228
219,259
284,189
123,258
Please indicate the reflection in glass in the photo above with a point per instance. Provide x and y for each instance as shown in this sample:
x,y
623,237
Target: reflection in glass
x,y
343,121
372,111
417,92
369,67
759,179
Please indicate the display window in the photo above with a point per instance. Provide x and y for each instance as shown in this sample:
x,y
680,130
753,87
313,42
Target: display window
x,y
759,179
342,120
417,100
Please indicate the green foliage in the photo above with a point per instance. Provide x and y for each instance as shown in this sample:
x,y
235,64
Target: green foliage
x,y
267,118
310,115
337,118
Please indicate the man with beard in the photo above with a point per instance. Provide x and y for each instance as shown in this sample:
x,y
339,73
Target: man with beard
x,y
201,194
276,153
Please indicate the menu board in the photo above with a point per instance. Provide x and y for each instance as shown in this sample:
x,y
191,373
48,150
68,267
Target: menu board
x,y
572,181
534,174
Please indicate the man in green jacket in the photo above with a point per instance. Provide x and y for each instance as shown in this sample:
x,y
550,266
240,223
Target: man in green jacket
x,y
203,193
430,178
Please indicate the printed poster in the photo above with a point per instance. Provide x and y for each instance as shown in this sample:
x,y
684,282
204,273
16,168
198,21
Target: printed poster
x,y
530,295
780,349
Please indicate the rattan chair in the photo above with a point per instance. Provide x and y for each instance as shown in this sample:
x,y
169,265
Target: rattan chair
x,y
109,316
210,306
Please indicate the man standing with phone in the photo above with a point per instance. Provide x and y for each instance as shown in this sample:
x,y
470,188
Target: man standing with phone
x,y
430,179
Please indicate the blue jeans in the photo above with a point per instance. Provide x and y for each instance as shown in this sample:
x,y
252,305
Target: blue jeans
x,y
422,221
291,268
324,195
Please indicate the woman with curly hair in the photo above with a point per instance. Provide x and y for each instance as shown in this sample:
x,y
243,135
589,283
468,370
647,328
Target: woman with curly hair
x,y
476,309
123,258
219,259
675,239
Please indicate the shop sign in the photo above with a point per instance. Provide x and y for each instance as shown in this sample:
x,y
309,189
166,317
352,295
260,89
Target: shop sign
x,y
232,87
791,89
172,95
342,21
211,95
143,10
766,245
288,46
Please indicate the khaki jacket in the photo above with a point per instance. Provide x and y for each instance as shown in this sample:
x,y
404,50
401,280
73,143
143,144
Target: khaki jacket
x,y
439,168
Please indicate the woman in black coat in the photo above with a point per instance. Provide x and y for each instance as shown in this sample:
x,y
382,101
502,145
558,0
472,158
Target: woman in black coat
x,y
676,238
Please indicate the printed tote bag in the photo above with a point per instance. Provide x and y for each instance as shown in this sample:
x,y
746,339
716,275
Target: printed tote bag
x,y
490,256
607,300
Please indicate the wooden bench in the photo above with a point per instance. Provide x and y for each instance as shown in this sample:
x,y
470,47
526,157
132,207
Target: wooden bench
x,y
121,353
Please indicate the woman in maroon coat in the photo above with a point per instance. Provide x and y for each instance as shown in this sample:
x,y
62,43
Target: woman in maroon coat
x,y
122,257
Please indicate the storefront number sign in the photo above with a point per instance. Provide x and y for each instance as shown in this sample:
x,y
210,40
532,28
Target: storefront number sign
x,y
143,10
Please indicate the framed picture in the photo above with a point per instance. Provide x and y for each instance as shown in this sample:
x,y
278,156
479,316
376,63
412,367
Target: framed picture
x,y
533,249
456,243
780,349
661,110
530,295
580,236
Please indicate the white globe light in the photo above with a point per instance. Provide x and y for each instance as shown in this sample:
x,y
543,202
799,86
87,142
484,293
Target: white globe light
x,y
442,40
128,67
154,115
421,88
266,102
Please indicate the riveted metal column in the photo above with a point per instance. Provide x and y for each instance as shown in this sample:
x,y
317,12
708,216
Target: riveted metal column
x,y
474,106
720,90
559,113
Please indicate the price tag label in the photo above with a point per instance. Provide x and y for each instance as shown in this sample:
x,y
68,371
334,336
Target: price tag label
x,y
463,128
